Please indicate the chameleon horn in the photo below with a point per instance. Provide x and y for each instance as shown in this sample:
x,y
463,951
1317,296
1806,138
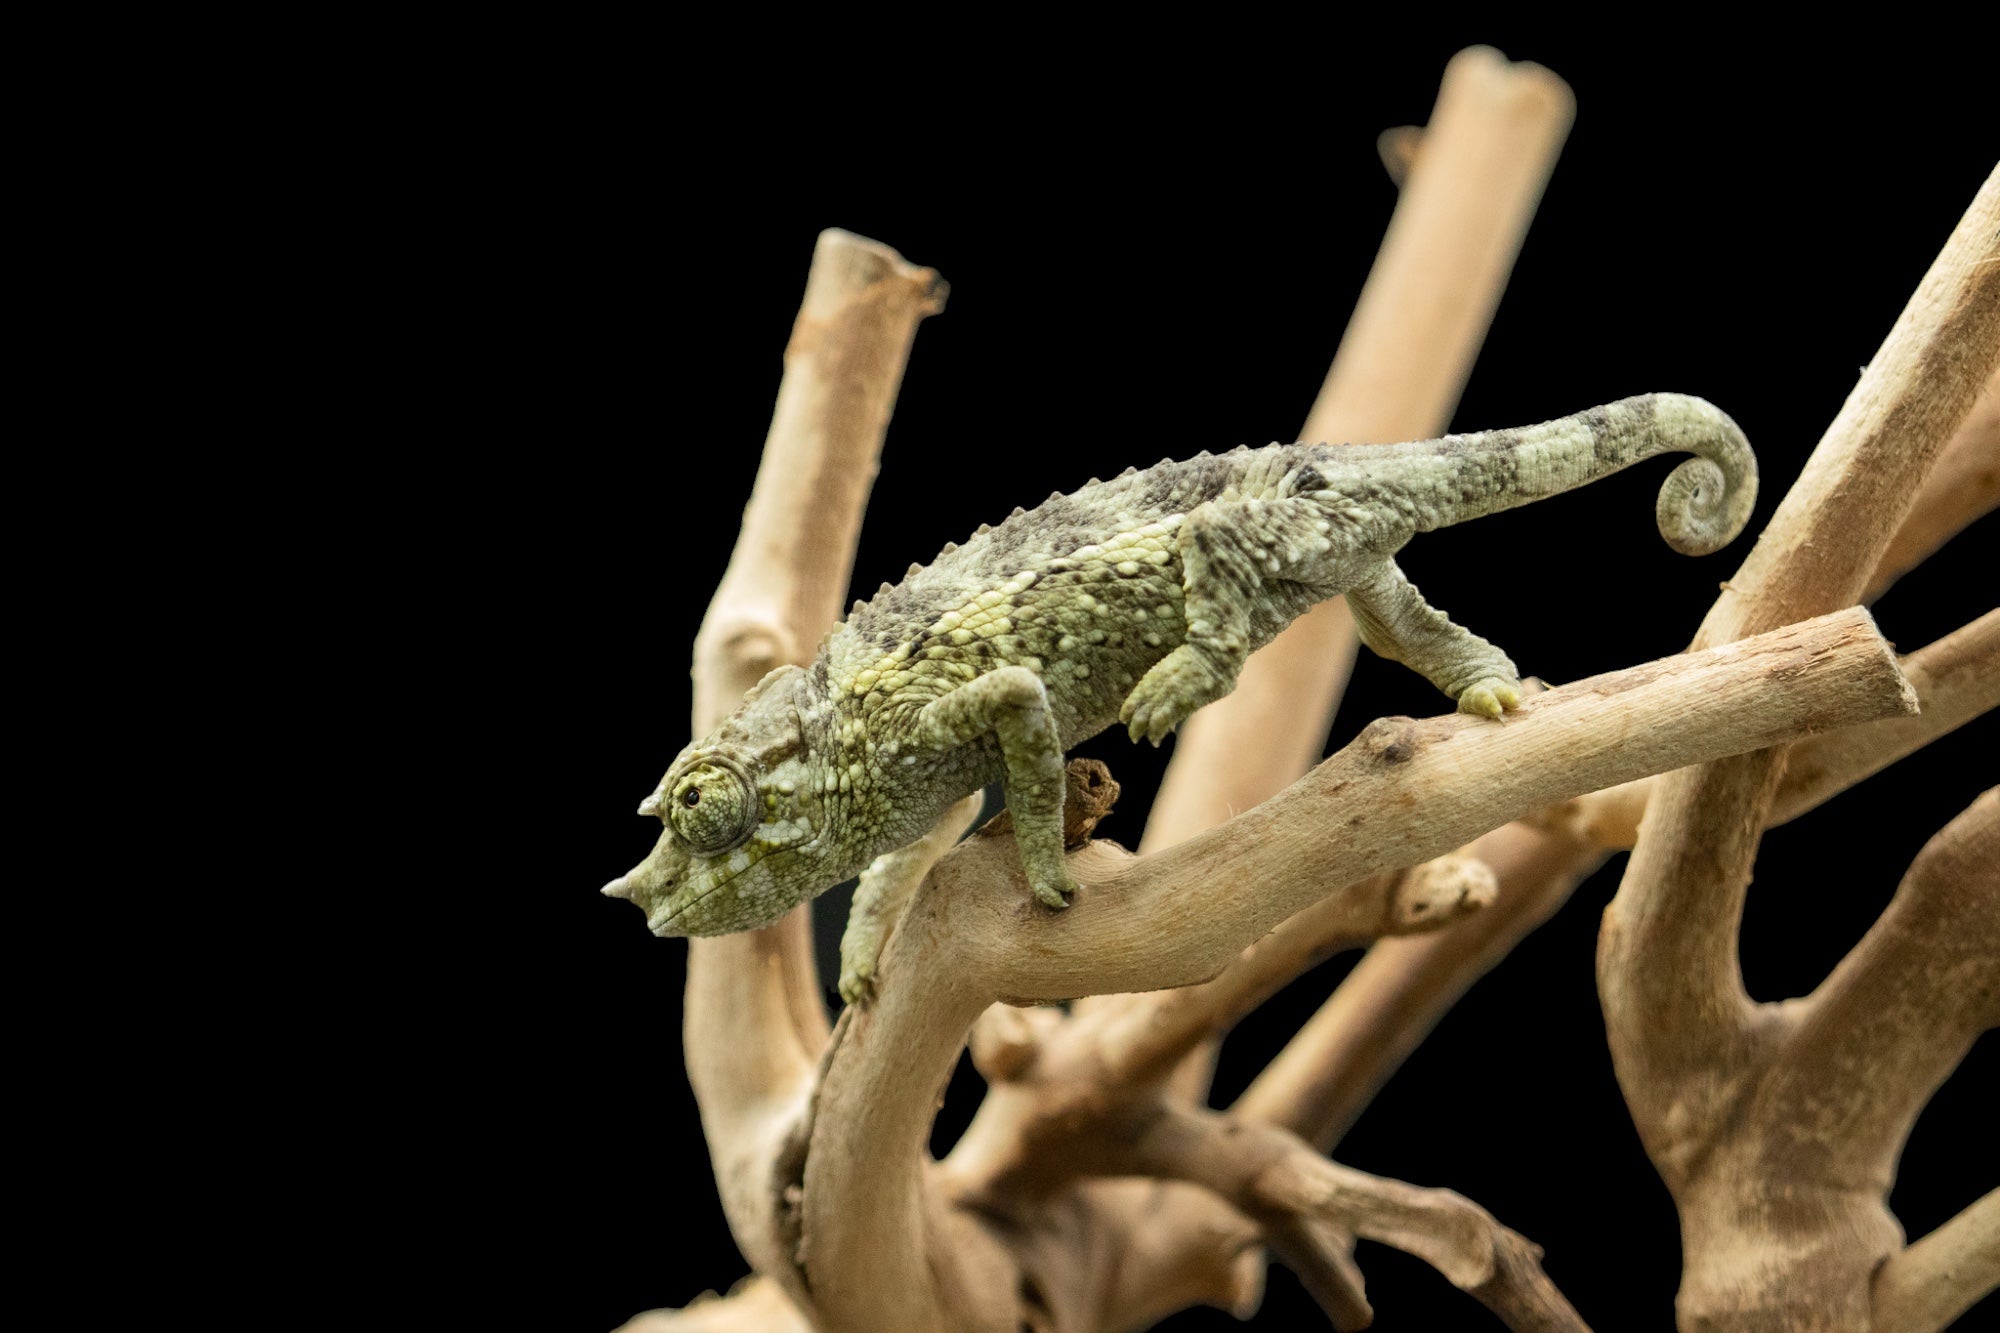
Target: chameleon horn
x,y
651,805
617,888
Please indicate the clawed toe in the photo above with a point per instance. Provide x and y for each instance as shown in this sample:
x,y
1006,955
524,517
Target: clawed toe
x,y
858,987
1490,697
1055,896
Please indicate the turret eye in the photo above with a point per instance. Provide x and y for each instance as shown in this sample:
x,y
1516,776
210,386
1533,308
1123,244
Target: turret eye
x,y
711,806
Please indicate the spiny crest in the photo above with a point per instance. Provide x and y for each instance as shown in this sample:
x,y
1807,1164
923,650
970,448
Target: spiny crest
x,y
914,570
1093,482
1128,472
855,610
1204,454
982,529
1054,495
1240,449
949,547
885,585
1018,511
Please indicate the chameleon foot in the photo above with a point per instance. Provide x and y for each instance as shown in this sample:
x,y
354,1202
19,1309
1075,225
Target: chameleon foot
x,y
1490,697
857,983
1054,891
1167,695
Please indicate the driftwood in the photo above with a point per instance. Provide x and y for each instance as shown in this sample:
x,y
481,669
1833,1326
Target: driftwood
x,y
1094,1189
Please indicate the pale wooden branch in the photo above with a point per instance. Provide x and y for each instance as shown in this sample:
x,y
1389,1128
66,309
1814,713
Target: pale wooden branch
x,y
1143,925
1668,944
1869,1047
1778,1168
1410,343
1924,1288
755,1305
1124,1253
1956,679
1266,1171
1323,1079
1964,485
1141,1041
1382,1010
756,1022
972,935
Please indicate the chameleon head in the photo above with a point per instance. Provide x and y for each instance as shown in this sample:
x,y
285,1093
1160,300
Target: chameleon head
x,y
744,821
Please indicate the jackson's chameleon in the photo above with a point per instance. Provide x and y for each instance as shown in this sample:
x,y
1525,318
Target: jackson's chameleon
x,y
1133,600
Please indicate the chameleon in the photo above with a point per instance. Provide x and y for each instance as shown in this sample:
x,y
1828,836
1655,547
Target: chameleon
x,y
1134,600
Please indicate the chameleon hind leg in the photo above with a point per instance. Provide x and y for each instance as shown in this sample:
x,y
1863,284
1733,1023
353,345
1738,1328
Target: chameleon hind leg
x,y
1397,623
1010,705
1247,568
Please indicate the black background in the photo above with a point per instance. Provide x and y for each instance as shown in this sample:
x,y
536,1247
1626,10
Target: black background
x,y
1148,256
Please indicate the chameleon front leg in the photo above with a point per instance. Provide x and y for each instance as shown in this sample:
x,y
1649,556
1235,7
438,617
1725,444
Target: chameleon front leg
x,y
1238,558
1010,705
1397,623
884,890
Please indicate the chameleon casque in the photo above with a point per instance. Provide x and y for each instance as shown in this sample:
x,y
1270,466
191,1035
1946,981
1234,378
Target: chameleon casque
x,y
1133,600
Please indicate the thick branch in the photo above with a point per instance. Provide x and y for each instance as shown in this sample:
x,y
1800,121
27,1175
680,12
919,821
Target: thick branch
x,y
1898,1014
1179,916
1668,944
1392,999
1964,484
1464,209
1956,679
1389,1003
1923,1288
1268,1173
973,934
755,1020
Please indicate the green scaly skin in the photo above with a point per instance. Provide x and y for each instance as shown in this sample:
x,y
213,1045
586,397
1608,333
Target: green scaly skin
x,y
1135,600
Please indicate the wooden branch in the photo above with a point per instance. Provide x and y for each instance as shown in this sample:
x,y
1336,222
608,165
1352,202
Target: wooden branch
x,y
754,1305
1170,919
1321,1256
1884,1030
1668,944
1125,1253
1382,1010
1964,485
1924,1288
1328,1073
1268,1172
973,935
755,1019
1326,1076
1956,679
1410,343
1142,1041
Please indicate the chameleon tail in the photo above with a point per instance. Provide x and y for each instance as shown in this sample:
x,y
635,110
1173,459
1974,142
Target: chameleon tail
x,y
1704,504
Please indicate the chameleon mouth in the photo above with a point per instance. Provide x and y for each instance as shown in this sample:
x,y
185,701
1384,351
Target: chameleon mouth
x,y
669,919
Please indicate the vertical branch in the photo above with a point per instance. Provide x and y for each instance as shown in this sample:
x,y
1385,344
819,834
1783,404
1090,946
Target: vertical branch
x,y
1963,485
1668,944
1465,207
755,1020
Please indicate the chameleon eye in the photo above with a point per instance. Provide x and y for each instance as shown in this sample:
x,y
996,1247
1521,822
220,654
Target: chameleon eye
x,y
711,808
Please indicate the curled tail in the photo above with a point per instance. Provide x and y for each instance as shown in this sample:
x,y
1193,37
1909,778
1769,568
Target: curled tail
x,y
1704,504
